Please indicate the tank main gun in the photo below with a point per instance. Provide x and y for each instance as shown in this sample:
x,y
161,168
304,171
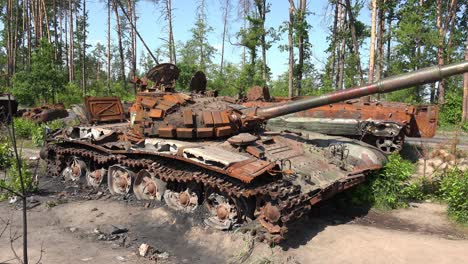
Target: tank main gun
x,y
390,84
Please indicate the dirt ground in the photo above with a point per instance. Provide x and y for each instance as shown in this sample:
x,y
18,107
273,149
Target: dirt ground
x,y
76,227
73,232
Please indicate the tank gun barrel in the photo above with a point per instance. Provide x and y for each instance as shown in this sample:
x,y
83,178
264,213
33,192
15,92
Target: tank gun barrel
x,y
394,83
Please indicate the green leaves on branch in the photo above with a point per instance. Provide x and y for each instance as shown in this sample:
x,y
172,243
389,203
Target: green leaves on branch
x,y
454,191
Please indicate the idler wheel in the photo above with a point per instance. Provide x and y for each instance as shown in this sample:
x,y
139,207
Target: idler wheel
x,y
75,170
186,201
269,218
148,187
95,178
389,145
224,213
119,179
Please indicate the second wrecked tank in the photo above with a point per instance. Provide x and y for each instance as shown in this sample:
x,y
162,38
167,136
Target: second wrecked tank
x,y
190,149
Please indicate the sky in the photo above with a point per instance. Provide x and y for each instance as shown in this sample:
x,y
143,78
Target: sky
x,y
152,28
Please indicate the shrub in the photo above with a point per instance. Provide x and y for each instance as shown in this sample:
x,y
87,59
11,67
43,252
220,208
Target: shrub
x,y
24,127
38,134
454,191
5,155
13,181
451,111
388,188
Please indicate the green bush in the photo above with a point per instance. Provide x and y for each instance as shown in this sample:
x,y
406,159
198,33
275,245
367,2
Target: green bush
x,y
454,191
24,128
13,181
5,155
38,133
390,187
451,112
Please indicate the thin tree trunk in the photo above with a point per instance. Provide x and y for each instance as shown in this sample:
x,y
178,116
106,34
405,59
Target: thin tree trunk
x,y
225,20
108,45
83,49
389,38
9,41
380,44
290,48
372,42
355,41
261,7
172,55
342,60
121,53
56,42
71,64
442,28
335,48
61,32
132,43
465,88
46,20
300,66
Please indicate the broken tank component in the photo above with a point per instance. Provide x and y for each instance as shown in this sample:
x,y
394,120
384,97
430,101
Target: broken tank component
x,y
46,113
381,124
195,151
7,100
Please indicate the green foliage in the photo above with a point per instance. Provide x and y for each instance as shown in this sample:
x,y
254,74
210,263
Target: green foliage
x,y
5,155
454,191
45,78
13,180
451,112
24,127
38,134
389,188
71,94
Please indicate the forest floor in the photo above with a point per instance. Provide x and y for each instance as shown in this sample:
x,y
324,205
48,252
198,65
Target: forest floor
x,y
69,226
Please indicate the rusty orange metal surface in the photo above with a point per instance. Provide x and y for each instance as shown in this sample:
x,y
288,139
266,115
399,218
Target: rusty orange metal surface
x,y
104,109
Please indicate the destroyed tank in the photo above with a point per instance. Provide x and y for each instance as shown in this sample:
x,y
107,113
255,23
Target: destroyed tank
x,y
190,149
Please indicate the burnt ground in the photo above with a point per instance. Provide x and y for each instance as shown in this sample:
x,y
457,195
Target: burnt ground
x,y
75,225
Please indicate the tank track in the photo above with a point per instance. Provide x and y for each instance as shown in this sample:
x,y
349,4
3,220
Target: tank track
x,y
279,191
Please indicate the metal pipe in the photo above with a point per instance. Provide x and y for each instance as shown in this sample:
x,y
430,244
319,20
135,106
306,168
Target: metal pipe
x,y
397,82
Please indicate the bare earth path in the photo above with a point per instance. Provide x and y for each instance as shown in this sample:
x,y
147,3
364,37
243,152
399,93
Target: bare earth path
x,y
420,234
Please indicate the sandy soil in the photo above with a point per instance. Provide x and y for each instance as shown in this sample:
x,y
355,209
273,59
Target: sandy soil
x,y
71,233
76,227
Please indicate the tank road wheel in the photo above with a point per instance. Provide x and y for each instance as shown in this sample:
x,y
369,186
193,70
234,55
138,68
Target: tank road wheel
x,y
75,170
224,213
119,179
186,201
270,219
389,145
148,187
95,178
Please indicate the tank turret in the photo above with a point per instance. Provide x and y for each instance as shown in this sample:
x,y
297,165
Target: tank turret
x,y
165,113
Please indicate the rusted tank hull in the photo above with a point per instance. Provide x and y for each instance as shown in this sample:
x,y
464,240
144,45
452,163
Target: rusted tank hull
x,y
295,173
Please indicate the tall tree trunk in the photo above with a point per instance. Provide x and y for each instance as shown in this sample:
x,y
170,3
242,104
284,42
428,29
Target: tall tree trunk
x,y
121,53
108,44
442,29
9,12
83,69
389,38
261,7
46,20
355,41
60,51
290,49
172,52
132,42
465,87
380,40
372,42
335,49
71,64
56,42
225,20
300,66
342,53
